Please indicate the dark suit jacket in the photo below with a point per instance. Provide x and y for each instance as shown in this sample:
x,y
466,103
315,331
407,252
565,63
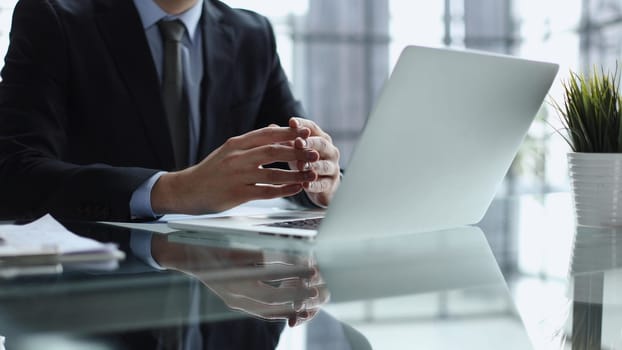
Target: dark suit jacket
x,y
81,118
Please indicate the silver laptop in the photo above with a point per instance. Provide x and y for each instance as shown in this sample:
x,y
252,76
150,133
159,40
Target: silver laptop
x,y
436,147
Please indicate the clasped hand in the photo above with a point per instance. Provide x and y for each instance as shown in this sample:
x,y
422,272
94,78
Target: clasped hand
x,y
326,167
234,174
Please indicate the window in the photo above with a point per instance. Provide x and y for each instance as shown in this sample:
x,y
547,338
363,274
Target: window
x,y
6,11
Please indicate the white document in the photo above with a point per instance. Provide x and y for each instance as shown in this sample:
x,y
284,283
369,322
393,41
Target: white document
x,y
48,236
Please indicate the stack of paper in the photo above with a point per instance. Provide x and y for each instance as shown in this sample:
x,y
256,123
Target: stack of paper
x,y
45,246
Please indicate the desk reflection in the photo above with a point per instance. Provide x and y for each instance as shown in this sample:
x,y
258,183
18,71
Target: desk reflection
x,y
228,294
271,286
596,274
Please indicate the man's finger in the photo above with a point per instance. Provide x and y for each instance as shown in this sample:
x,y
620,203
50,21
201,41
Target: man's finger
x,y
280,176
325,147
279,153
323,184
306,123
323,168
265,136
299,143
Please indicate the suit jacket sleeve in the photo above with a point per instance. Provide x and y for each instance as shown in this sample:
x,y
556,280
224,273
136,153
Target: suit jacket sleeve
x,y
34,131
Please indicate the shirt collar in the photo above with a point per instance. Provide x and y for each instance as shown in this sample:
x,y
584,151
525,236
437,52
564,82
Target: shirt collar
x,y
150,13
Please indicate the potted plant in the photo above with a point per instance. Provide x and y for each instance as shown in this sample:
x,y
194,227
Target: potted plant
x,y
591,115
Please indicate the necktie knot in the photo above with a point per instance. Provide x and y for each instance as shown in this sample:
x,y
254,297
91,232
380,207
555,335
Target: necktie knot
x,y
171,30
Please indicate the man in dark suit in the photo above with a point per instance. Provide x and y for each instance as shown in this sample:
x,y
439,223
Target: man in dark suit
x,y
86,128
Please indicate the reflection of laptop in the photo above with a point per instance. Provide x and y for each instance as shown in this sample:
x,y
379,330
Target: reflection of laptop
x,y
358,270
436,147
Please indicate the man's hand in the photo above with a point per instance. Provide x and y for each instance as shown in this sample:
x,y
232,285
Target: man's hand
x,y
233,173
322,189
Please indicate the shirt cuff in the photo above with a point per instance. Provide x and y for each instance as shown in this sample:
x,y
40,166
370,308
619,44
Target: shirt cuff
x,y
140,203
140,243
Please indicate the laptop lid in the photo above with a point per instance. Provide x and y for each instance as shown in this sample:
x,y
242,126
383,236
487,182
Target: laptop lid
x,y
438,143
436,147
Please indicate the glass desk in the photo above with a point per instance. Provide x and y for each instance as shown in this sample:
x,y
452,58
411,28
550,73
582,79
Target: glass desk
x,y
565,280
519,281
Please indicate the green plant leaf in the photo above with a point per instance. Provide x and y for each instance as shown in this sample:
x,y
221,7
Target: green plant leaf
x,y
591,112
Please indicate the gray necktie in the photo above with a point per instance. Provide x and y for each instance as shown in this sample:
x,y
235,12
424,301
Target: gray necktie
x,y
175,102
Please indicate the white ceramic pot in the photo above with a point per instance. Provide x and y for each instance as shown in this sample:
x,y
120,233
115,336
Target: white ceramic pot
x,y
596,180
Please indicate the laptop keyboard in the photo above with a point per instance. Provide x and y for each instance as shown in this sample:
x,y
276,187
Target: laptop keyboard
x,y
305,224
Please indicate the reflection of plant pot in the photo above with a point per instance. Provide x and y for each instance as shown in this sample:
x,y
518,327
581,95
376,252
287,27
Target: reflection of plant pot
x,y
596,180
596,249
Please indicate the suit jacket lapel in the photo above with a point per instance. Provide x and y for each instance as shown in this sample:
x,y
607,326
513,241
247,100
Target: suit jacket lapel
x,y
122,31
219,57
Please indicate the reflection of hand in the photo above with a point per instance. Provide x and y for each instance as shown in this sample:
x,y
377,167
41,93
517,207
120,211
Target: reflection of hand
x,y
279,291
270,287
233,174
